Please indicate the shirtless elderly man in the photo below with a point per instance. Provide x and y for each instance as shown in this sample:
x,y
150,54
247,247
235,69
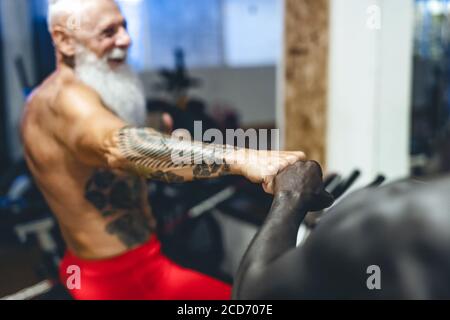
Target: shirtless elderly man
x,y
89,154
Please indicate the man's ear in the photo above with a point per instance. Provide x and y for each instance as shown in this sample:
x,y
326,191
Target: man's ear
x,y
64,41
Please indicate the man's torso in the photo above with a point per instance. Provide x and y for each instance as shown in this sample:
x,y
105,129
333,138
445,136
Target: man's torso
x,y
101,213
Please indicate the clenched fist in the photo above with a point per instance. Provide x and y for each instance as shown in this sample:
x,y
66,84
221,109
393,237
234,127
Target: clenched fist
x,y
305,178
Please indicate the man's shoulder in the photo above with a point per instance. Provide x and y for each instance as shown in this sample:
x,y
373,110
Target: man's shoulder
x,y
60,90
75,98
35,110
45,96
75,89
55,99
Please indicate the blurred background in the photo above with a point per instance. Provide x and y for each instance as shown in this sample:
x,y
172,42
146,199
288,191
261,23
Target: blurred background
x,y
363,86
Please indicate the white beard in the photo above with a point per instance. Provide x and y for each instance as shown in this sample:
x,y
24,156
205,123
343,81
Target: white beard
x,y
120,90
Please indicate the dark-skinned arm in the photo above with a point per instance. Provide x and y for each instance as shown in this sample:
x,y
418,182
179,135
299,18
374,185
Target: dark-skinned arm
x,y
298,190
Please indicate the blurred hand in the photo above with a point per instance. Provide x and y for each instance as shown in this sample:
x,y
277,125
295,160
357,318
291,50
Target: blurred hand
x,y
161,122
305,178
167,123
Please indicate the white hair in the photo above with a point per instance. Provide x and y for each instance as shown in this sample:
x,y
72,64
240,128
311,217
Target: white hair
x,y
72,9
60,8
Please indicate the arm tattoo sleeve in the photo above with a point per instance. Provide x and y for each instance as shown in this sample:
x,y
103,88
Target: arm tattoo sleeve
x,y
157,156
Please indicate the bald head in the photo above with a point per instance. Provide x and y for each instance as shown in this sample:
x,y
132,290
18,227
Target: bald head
x,y
67,13
95,25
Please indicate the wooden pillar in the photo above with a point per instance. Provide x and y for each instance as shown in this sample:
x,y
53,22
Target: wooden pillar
x,y
306,76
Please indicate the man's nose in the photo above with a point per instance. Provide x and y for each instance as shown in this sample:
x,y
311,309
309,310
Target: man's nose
x,y
123,39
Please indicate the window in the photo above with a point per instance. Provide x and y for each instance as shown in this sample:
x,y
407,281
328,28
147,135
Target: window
x,y
252,32
139,29
232,33
194,26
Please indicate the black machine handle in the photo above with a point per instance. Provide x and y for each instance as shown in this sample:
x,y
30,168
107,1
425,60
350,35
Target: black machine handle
x,y
379,180
346,184
329,179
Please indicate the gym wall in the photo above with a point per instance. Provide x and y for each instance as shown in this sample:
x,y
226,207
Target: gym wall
x,y
17,40
346,86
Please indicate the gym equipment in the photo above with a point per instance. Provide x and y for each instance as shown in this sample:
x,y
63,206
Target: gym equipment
x,y
26,219
177,82
337,187
377,182
329,179
32,292
211,202
345,185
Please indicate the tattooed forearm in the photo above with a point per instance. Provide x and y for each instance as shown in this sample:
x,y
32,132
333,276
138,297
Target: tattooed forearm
x,y
168,159
168,177
204,170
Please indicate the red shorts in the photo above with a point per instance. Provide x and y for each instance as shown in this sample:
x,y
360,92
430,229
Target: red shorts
x,y
143,273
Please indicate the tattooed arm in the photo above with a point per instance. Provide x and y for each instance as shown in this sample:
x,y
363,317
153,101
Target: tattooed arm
x,y
161,157
99,138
